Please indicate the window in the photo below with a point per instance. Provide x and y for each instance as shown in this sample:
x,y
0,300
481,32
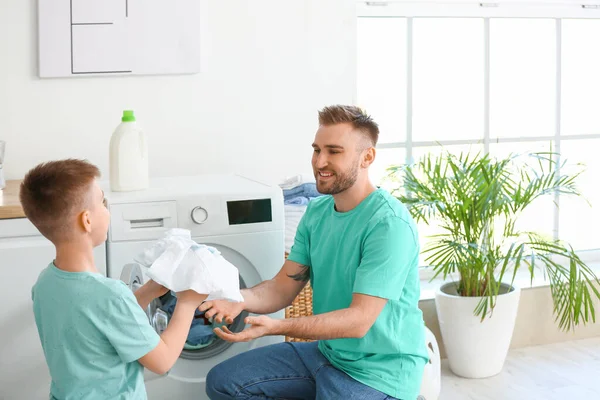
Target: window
x,y
499,77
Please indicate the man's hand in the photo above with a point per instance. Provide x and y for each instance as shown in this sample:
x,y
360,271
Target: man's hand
x,y
261,326
222,310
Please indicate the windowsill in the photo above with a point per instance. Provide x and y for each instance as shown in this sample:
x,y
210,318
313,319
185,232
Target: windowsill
x,y
522,280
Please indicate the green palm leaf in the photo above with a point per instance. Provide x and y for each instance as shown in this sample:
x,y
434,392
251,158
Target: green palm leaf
x,y
477,201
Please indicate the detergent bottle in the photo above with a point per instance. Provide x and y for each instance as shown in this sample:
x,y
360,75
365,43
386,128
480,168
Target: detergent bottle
x,y
128,164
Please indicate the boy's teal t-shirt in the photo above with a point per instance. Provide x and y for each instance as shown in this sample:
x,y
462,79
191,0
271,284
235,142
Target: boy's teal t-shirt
x,y
372,249
93,331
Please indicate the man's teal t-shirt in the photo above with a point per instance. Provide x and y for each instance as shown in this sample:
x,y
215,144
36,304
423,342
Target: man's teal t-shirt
x,y
372,249
93,331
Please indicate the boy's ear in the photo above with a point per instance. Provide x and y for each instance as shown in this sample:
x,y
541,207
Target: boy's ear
x,y
85,221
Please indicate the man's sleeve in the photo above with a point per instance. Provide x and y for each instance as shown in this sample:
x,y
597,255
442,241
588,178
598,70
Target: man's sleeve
x,y
127,327
300,251
389,251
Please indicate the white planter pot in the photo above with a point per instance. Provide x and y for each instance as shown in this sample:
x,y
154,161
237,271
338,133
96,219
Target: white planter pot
x,y
475,348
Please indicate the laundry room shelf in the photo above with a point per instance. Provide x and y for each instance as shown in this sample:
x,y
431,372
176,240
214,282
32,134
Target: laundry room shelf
x,y
10,206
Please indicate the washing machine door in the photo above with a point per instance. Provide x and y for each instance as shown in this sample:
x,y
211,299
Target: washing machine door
x,y
193,365
187,378
132,276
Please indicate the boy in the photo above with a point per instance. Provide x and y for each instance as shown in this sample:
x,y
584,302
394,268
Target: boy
x,y
94,332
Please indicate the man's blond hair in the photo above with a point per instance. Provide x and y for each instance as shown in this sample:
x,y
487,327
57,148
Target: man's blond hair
x,y
360,120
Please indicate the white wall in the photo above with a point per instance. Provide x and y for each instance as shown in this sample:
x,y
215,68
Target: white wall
x,y
268,66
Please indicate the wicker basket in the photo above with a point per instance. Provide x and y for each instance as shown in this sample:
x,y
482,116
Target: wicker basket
x,y
301,307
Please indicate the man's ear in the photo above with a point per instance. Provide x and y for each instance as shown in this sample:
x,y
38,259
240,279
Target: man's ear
x,y
368,157
84,221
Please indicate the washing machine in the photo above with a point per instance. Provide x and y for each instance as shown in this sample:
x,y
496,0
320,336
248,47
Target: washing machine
x,y
241,217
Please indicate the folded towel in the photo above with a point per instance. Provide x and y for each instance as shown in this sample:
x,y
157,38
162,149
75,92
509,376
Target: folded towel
x,y
293,214
292,220
290,223
298,200
290,209
297,180
304,190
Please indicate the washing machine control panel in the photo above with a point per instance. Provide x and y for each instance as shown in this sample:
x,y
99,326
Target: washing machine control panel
x,y
199,215
249,211
214,214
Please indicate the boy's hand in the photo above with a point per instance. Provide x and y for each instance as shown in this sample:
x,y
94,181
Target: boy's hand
x,y
222,310
190,297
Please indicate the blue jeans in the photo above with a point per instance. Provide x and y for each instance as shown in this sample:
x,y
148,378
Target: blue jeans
x,y
285,371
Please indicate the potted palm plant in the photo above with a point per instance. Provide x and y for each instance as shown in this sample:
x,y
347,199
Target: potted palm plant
x,y
477,201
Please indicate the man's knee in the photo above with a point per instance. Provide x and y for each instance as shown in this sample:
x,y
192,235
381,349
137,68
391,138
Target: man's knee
x,y
216,383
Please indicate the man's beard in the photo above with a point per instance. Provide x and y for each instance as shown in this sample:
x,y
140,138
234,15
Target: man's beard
x,y
341,182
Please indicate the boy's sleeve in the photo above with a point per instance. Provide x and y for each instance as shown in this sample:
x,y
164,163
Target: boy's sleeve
x,y
388,254
127,327
300,251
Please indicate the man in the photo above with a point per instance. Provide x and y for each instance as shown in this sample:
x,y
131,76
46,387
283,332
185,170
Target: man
x,y
359,248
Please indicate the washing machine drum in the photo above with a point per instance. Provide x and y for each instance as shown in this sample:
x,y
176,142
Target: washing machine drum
x,y
201,342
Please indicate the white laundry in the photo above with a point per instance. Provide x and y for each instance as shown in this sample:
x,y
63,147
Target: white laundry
x,y
178,263
294,210
292,215
296,180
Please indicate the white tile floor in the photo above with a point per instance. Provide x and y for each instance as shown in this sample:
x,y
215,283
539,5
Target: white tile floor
x,y
562,371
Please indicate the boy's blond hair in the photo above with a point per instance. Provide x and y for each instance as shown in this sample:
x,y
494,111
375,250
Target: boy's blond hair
x,y
54,192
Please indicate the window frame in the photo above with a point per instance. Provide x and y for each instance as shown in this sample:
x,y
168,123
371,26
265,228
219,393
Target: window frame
x,y
556,10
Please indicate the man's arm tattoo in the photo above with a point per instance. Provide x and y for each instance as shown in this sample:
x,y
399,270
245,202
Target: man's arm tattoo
x,y
303,275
